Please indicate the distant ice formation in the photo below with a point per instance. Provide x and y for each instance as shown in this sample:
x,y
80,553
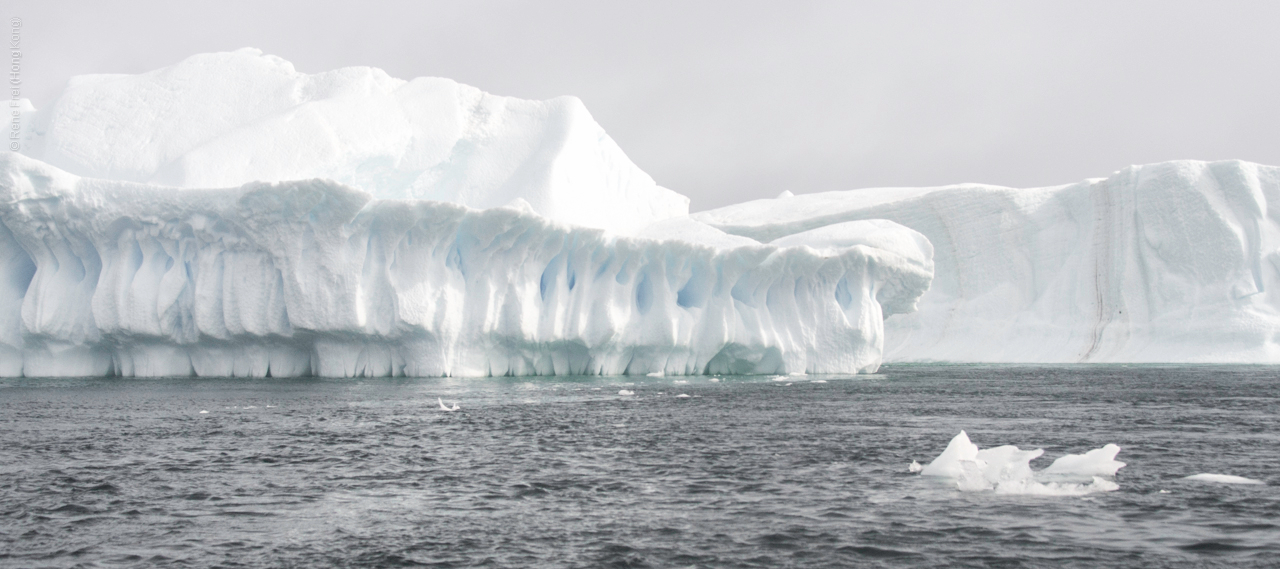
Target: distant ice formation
x,y
1007,469
1170,262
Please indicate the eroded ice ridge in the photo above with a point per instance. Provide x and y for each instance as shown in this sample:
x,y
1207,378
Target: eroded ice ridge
x,y
226,119
1170,262
101,277
1007,469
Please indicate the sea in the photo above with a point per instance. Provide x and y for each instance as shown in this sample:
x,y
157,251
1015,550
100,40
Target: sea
x,y
728,471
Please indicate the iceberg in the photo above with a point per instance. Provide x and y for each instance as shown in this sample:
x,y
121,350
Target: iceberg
x,y
1007,470
1222,479
1170,262
230,216
103,277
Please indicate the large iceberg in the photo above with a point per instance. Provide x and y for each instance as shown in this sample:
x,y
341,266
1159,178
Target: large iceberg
x,y
1170,262
230,216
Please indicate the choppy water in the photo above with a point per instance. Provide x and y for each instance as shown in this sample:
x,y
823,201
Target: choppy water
x,y
746,472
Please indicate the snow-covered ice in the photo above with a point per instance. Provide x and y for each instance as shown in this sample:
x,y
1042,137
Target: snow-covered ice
x,y
221,120
1007,469
1170,262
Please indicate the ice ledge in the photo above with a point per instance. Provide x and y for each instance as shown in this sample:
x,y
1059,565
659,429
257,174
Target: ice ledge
x,y
314,277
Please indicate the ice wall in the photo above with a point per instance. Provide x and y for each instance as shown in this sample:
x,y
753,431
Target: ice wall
x,y
316,277
1170,262
228,119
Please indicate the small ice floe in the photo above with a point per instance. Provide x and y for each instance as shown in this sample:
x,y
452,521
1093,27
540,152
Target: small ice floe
x,y
626,392
271,406
204,412
818,381
1007,470
915,467
682,396
780,378
790,384
444,407
680,382
656,374
1222,479
714,380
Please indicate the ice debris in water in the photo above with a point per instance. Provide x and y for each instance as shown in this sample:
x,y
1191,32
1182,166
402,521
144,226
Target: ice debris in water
x,y
1007,469
1222,479
915,467
626,392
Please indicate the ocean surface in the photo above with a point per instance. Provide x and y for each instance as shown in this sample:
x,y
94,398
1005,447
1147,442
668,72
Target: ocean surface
x,y
799,471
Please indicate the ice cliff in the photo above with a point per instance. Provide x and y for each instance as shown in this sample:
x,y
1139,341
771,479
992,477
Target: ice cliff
x,y
1170,262
230,216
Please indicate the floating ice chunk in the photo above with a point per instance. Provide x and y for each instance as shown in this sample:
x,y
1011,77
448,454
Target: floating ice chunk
x,y
683,396
1222,479
915,467
1007,470
1097,462
204,412
626,392
948,464
444,407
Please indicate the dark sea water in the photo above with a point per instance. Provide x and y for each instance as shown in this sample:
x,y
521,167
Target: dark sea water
x,y
565,472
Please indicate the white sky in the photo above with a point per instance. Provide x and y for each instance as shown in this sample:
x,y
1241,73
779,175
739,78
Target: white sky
x,y
729,101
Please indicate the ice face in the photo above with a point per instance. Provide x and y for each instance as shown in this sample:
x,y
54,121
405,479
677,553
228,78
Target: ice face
x,y
1007,470
317,277
1171,262
228,119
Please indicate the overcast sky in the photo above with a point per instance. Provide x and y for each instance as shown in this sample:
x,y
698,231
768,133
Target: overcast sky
x,y
729,101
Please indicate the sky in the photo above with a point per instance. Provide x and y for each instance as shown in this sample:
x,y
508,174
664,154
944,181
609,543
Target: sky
x,y
731,101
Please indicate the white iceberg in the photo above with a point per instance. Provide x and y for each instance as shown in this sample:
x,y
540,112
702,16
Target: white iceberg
x,y
230,216
314,277
1170,262
1222,479
1007,470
